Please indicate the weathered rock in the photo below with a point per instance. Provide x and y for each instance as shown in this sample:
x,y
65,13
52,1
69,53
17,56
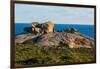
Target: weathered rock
x,y
40,28
71,40
43,34
72,30
48,27
68,30
34,24
68,39
36,30
20,39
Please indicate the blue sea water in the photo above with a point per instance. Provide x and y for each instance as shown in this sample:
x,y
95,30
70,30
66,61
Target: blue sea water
x,y
84,29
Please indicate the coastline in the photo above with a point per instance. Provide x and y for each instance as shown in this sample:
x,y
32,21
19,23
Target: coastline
x,y
81,28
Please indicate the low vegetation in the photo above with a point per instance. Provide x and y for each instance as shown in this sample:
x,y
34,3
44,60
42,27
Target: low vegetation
x,y
29,54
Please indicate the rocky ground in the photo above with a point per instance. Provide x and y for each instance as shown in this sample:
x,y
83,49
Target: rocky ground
x,y
47,37
71,40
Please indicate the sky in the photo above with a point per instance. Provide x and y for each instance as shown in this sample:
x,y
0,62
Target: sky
x,y
28,13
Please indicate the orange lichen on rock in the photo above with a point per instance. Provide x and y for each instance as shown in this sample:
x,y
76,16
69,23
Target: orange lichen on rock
x,y
48,26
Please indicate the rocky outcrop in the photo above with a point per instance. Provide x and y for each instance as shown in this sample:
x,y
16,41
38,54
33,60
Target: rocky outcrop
x,y
48,26
71,40
68,30
43,34
37,28
20,39
73,30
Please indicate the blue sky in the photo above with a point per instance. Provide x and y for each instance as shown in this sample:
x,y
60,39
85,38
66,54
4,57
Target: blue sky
x,y
26,13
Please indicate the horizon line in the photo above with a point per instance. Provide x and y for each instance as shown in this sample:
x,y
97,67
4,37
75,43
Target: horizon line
x,y
54,23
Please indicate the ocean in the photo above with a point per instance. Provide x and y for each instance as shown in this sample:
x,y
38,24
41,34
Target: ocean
x,y
84,29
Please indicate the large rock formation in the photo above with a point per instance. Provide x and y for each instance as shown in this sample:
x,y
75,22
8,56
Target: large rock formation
x,y
48,27
43,28
42,34
71,40
36,28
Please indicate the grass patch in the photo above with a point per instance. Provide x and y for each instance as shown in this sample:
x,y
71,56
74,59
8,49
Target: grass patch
x,y
33,54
